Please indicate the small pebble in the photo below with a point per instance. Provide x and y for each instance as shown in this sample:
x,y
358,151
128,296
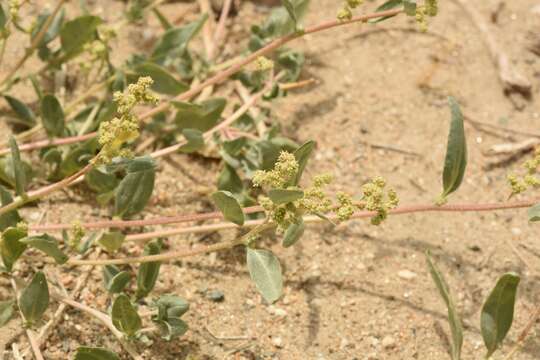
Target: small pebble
x,y
216,295
388,342
278,342
406,274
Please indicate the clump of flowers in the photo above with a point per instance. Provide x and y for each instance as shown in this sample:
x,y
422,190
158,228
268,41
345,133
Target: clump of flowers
x,y
77,233
519,185
346,12
376,199
314,199
14,6
112,135
430,8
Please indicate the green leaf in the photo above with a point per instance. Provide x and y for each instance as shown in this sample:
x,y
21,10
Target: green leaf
x,y
136,188
498,312
410,7
177,39
229,207
149,271
302,155
288,5
170,306
48,245
77,32
115,280
389,5
456,152
280,22
11,218
34,299
284,196
202,117
23,112
534,213
52,115
293,233
453,317
3,18
233,147
53,30
265,271
111,241
164,82
229,180
101,181
95,353
172,328
165,24
195,141
124,316
18,168
6,311
11,248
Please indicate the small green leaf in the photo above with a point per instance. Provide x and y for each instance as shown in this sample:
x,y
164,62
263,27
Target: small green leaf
x,y
115,280
48,245
456,152
302,155
6,311
389,5
111,241
77,32
176,40
284,196
52,115
101,181
34,299
3,18
293,233
172,328
23,112
229,180
11,218
149,271
124,316
202,117
288,5
95,353
265,271
195,141
410,7
11,248
453,317
170,306
229,207
136,188
54,27
534,213
18,168
498,312
165,24
164,82
233,147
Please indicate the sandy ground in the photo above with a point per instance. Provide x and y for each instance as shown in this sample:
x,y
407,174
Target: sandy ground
x,y
346,295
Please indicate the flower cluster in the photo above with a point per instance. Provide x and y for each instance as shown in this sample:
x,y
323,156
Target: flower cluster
x,y
124,128
77,233
14,6
520,185
430,8
375,199
284,170
346,12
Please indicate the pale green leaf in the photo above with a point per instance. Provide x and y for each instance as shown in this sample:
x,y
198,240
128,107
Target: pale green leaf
x,y
34,299
229,207
456,151
283,196
265,271
124,316
95,353
48,245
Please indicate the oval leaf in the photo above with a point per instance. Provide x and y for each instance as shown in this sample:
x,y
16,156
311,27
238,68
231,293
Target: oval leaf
x,y
124,316
22,111
11,248
52,115
77,32
229,207
111,241
34,299
498,312
456,152
164,82
229,180
302,155
453,317
202,117
136,188
47,244
265,271
6,311
195,141
283,196
149,271
293,233
10,218
95,353
115,280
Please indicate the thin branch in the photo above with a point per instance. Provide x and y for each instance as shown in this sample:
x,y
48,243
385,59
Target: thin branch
x,y
104,319
219,35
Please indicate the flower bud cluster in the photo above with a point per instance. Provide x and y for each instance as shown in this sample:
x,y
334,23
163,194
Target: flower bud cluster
x,y
375,199
529,180
284,170
112,135
346,12
430,8
14,6
77,233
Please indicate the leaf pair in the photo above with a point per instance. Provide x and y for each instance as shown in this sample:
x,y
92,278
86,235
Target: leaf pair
x,y
496,316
